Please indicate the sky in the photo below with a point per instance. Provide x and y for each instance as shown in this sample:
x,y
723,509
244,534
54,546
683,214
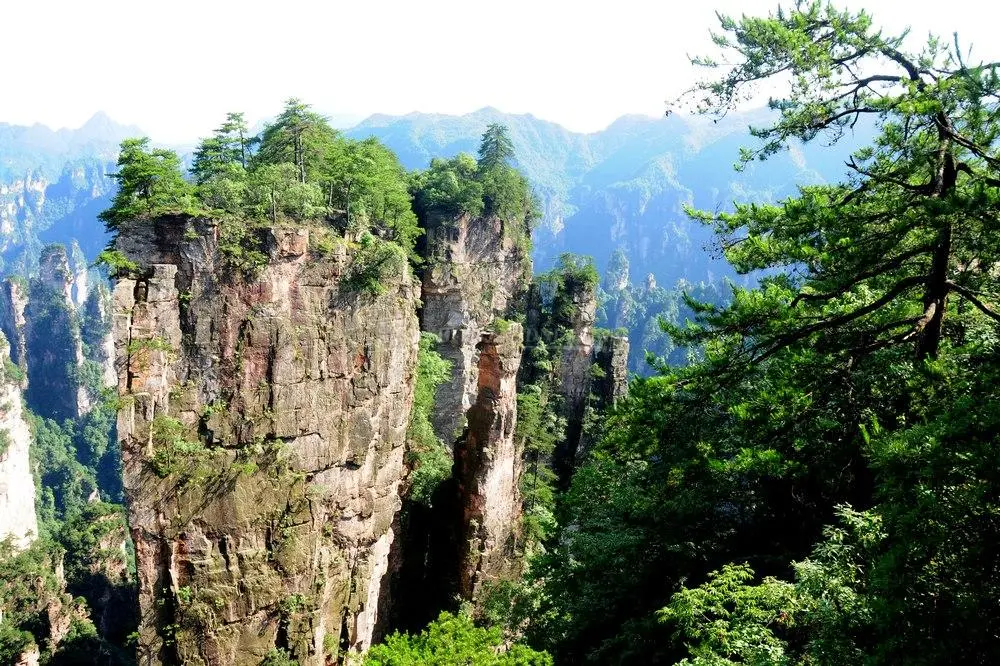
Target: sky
x,y
175,67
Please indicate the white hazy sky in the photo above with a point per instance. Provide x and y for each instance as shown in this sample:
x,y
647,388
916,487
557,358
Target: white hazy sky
x,y
174,67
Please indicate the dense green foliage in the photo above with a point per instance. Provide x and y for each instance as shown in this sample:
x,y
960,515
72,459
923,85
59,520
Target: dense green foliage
x,y
297,169
453,639
301,169
96,593
818,485
429,457
543,424
490,186
149,183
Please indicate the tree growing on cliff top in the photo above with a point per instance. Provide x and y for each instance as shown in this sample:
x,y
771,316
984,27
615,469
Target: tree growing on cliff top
x,y
149,183
224,153
298,136
496,149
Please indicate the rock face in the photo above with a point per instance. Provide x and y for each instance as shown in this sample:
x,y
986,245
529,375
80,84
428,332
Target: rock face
x,y
263,433
574,379
95,331
13,300
52,340
17,484
611,357
475,270
488,464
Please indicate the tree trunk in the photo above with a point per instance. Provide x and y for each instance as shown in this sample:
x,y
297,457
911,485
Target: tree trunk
x,y
936,292
935,297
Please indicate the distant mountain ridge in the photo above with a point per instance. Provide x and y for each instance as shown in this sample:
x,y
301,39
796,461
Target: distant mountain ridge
x,y
53,183
622,187
625,186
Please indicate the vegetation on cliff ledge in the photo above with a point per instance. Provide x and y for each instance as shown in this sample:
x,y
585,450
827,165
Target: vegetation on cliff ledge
x,y
299,169
489,185
428,456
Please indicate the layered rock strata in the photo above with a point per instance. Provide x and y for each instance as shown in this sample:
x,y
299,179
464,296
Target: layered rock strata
x,y
474,272
488,465
611,356
13,300
262,430
574,377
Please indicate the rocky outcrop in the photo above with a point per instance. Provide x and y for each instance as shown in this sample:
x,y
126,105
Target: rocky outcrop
x,y
95,330
474,271
574,377
52,340
488,464
611,383
17,484
13,300
262,431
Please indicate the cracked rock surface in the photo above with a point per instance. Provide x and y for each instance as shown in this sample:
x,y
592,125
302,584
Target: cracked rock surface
x,y
263,425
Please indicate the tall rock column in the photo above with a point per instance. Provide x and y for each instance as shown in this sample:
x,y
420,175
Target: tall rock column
x,y
488,464
53,344
13,300
611,356
574,379
95,332
262,429
17,484
474,271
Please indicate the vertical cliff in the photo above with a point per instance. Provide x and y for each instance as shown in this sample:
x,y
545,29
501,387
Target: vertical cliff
x,y
95,331
262,429
474,272
17,484
611,356
13,300
52,340
488,464
575,359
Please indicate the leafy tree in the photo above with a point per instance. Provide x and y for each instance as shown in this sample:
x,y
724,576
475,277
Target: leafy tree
x,y
845,377
273,192
539,427
367,182
237,137
149,183
374,263
448,188
453,639
431,459
213,158
298,136
818,619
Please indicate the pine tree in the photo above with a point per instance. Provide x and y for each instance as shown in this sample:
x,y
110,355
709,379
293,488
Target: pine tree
x,y
298,136
882,256
496,149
